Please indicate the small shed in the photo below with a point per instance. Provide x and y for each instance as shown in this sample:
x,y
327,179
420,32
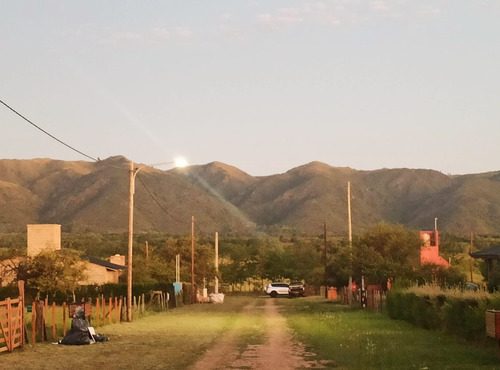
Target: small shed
x,y
488,255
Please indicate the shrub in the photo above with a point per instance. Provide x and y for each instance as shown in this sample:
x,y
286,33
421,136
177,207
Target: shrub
x,y
455,311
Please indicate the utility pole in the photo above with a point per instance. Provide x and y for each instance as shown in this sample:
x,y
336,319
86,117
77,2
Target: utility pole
x,y
349,294
471,261
324,236
192,262
216,263
130,240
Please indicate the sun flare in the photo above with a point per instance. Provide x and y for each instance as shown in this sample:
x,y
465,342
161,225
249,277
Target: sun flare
x,y
181,162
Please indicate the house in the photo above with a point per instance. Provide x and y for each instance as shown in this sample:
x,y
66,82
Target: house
x,y
103,272
48,237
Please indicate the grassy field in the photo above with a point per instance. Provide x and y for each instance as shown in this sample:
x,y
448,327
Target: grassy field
x,y
178,338
362,340
170,340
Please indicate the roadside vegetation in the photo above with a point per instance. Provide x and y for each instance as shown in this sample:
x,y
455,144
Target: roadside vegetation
x,y
381,252
357,339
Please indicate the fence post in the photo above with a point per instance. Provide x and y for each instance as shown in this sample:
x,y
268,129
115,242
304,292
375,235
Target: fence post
x,y
33,321
103,312
24,336
110,315
46,307
40,319
53,320
97,307
116,310
64,319
120,310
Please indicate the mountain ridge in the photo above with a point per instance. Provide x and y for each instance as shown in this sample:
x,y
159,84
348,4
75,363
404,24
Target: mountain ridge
x,y
93,196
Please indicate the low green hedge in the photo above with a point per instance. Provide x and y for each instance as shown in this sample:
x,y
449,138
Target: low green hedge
x,y
456,312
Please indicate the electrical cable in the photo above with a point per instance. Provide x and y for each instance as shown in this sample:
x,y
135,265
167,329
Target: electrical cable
x,y
46,133
56,139
88,156
156,201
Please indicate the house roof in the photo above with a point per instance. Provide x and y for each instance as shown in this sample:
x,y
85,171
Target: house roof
x,y
493,252
107,264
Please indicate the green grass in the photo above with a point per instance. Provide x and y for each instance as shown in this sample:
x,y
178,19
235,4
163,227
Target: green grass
x,y
361,340
174,339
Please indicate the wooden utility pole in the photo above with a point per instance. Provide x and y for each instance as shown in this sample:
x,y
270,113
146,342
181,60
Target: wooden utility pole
x,y
216,262
130,240
324,237
192,262
471,259
349,294
177,268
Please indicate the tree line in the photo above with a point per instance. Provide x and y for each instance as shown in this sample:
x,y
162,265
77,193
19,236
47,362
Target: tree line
x,y
384,251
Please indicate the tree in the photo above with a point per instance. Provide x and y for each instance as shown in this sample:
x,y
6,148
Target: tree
x,y
53,271
386,251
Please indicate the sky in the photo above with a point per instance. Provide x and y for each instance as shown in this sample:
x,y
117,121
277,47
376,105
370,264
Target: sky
x,y
264,86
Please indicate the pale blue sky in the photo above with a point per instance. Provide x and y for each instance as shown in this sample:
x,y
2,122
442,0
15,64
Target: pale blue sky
x,y
262,85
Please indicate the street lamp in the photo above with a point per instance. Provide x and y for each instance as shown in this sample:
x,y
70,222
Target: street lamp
x,y
179,162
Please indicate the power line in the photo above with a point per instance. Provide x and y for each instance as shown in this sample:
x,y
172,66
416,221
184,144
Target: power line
x,y
48,134
156,201
163,208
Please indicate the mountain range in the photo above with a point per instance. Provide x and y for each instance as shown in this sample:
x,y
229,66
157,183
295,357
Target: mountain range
x,y
94,197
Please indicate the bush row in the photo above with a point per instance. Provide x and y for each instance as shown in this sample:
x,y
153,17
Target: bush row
x,y
458,314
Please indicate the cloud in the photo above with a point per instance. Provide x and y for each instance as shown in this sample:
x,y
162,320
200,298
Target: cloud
x,y
429,11
155,34
160,33
282,18
379,5
126,37
182,32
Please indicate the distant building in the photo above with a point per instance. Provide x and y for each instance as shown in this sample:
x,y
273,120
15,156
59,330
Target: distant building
x,y
43,237
48,237
429,251
103,272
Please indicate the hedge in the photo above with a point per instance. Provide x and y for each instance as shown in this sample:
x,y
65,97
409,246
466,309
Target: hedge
x,y
458,313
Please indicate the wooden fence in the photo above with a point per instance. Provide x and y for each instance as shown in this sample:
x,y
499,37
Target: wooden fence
x,y
48,317
373,298
12,324
45,315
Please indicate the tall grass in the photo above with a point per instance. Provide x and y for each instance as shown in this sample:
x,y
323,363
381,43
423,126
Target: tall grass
x,y
355,339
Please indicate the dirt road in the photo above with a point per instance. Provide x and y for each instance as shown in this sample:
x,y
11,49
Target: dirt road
x,y
279,351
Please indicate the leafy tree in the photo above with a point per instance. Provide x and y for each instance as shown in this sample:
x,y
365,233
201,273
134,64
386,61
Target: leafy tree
x,y
385,250
239,260
339,268
151,270
306,261
53,271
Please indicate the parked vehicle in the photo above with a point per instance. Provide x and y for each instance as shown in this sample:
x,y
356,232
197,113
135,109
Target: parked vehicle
x,y
296,289
275,289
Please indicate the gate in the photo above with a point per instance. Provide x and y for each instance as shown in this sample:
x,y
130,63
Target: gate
x,y
11,324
